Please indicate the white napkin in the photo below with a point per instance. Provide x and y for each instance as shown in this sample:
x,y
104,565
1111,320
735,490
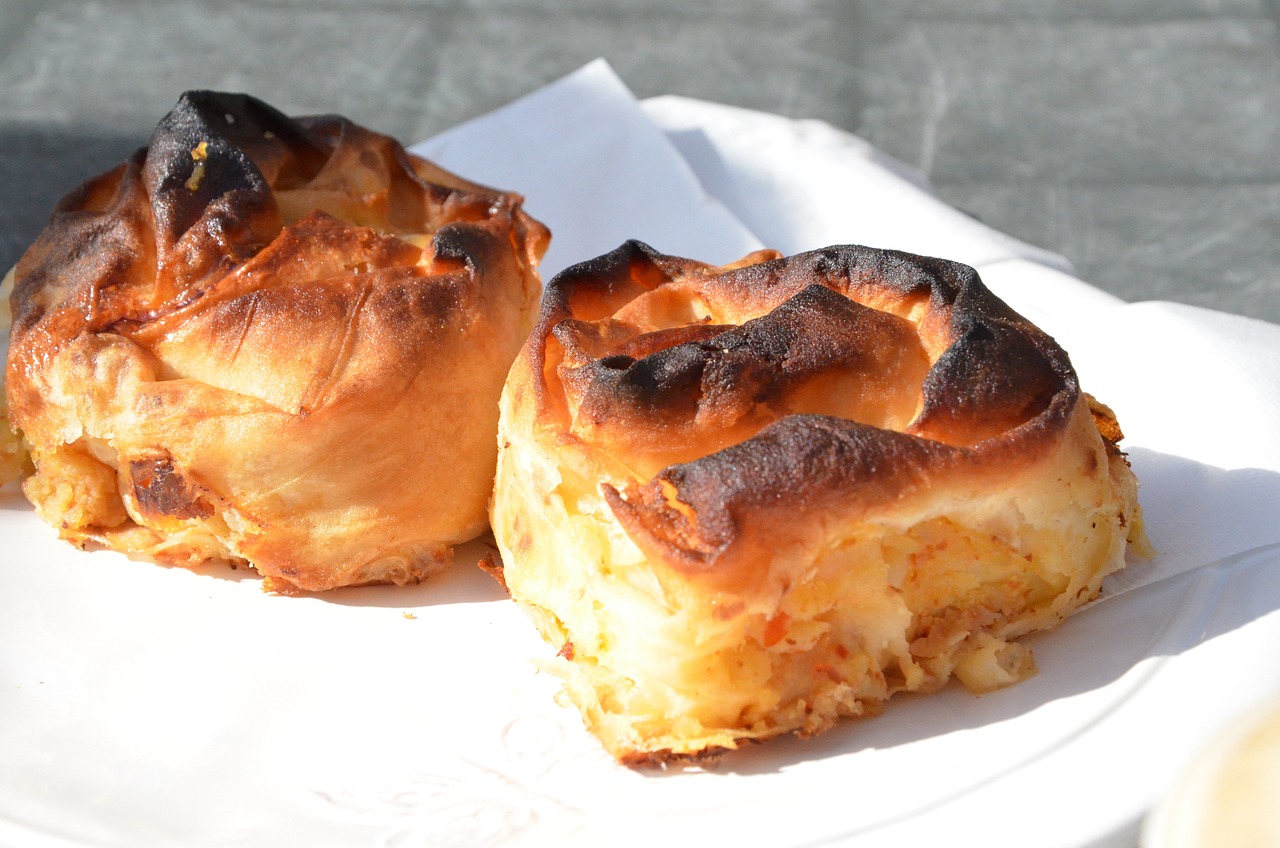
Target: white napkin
x,y
1197,392
595,170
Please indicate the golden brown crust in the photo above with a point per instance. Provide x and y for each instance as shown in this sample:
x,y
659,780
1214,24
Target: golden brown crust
x,y
762,496
818,402
277,341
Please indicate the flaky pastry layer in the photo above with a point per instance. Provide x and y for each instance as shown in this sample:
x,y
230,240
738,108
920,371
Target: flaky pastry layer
x,y
271,341
749,500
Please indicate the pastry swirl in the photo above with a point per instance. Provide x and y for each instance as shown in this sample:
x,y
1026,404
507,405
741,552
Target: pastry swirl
x,y
749,500
271,341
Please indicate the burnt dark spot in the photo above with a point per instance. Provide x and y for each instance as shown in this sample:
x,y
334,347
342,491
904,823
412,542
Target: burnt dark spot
x,y
162,491
978,333
994,377
814,330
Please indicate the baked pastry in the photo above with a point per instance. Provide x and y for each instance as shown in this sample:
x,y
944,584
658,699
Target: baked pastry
x,y
271,341
748,500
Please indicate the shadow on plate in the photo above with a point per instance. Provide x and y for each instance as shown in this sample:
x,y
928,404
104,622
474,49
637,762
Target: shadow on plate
x,y
462,583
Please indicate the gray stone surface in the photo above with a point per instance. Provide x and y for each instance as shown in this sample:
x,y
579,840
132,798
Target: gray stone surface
x,y
1139,139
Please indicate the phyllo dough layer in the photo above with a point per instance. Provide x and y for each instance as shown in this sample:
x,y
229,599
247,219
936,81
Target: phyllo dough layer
x,y
271,341
749,500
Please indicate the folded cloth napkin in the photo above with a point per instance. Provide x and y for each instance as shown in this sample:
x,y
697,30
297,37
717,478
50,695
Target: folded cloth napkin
x,y
1197,392
596,170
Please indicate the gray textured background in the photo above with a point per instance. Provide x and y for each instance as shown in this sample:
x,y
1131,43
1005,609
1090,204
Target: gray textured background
x,y
1140,139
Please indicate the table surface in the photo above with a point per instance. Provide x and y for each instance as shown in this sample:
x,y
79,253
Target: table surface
x,y
1141,140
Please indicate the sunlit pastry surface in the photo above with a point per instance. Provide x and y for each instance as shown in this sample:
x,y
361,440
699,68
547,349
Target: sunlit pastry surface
x,y
271,341
749,500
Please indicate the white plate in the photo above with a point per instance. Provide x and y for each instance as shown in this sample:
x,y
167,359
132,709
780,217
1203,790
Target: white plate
x,y
141,705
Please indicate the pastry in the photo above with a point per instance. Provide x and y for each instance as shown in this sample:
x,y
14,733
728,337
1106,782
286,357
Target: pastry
x,y
748,500
271,341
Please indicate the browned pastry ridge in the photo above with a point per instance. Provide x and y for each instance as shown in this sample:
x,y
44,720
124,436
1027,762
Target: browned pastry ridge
x,y
749,500
271,341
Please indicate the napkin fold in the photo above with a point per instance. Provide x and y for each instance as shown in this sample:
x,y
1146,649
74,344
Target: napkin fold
x,y
1197,391
594,169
